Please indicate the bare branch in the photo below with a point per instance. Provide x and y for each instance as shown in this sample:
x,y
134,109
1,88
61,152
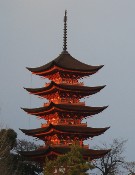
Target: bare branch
x,y
110,164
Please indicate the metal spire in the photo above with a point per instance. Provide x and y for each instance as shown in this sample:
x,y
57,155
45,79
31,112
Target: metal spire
x,y
65,32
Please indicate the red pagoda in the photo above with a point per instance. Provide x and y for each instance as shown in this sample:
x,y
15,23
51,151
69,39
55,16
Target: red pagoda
x,y
64,111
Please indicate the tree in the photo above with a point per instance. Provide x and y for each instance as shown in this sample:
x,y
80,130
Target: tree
x,y
11,162
111,163
7,142
71,163
130,167
24,145
24,166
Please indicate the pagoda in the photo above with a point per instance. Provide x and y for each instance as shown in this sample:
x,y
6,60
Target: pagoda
x,y
64,112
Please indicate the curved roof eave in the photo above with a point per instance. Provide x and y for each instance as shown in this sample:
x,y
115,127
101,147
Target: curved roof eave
x,y
67,62
69,129
72,88
64,107
41,153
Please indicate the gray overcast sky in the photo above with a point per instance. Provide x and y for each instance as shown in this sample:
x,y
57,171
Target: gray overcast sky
x,y
99,32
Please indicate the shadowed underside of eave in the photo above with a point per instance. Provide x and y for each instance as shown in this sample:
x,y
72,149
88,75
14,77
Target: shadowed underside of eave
x,y
67,108
66,62
63,88
65,130
52,152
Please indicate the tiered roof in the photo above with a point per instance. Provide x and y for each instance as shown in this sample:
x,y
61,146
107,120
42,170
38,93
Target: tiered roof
x,y
80,131
76,90
65,64
52,152
64,73
64,108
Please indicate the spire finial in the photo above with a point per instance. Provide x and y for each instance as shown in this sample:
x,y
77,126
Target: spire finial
x,y
65,32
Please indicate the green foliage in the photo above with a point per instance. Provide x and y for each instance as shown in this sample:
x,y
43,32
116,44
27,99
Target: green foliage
x,y
71,163
7,142
11,162
25,167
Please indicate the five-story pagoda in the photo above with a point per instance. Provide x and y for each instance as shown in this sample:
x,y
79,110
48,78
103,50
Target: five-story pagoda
x,y
64,112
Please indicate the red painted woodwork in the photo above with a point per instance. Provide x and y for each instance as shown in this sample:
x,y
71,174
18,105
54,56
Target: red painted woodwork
x,y
64,111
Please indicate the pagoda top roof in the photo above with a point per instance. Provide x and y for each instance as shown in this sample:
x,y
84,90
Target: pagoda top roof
x,y
65,62
65,129
64,87
49,151
70,108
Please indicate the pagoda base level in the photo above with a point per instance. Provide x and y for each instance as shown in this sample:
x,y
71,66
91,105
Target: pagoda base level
x,y
51,153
